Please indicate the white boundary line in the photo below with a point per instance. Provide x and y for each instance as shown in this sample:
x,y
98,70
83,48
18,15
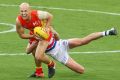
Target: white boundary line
x,y
14,54
65,9
91,52
7,24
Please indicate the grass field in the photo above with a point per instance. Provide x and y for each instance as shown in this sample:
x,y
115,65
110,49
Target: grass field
x,y
72,18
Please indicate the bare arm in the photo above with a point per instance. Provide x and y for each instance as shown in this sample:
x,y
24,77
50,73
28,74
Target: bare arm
x,y
43,15
56,35
20,31
48,17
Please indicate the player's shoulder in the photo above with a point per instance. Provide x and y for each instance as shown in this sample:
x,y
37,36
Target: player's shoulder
x,y
17,21
34,12
42,13
37,11
18,17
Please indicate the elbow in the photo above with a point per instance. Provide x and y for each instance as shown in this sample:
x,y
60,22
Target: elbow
x,y
50,16
56,36
21,36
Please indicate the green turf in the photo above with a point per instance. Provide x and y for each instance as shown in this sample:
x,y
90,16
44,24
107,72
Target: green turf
x,y
4,27
69,24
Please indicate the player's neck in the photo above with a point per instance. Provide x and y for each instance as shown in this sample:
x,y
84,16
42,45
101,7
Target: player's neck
x,y
28,19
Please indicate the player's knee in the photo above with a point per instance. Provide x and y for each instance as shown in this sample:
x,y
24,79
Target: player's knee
x,y
81,71
38,57
27,51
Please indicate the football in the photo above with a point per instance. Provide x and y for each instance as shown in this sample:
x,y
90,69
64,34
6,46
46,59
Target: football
x,y
41,32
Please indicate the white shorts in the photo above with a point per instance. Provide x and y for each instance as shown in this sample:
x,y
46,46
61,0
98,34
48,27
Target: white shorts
x,y
60,52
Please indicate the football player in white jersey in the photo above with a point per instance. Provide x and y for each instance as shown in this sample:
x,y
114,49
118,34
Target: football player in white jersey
x,y
59,49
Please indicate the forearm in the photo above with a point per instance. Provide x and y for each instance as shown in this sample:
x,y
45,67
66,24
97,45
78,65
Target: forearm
x,y
56,35
26,36
49,20
48,23
20,31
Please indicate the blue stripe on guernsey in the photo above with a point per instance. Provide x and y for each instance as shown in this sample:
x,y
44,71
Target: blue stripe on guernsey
x,y
51,47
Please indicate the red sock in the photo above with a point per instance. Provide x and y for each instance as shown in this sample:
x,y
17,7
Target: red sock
x,y
38,70
51,64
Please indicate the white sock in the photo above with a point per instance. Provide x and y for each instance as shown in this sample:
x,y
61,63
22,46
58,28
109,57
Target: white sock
x,y
105,33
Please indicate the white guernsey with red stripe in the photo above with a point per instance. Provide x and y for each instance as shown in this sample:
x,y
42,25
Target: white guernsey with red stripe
x,y
58,49
52,42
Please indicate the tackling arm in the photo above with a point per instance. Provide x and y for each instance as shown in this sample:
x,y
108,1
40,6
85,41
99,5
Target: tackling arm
x,y
48,17
56,35
43,15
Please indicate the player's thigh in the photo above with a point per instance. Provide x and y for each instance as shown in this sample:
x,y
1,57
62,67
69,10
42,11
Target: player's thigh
x,y
74,42
40,50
